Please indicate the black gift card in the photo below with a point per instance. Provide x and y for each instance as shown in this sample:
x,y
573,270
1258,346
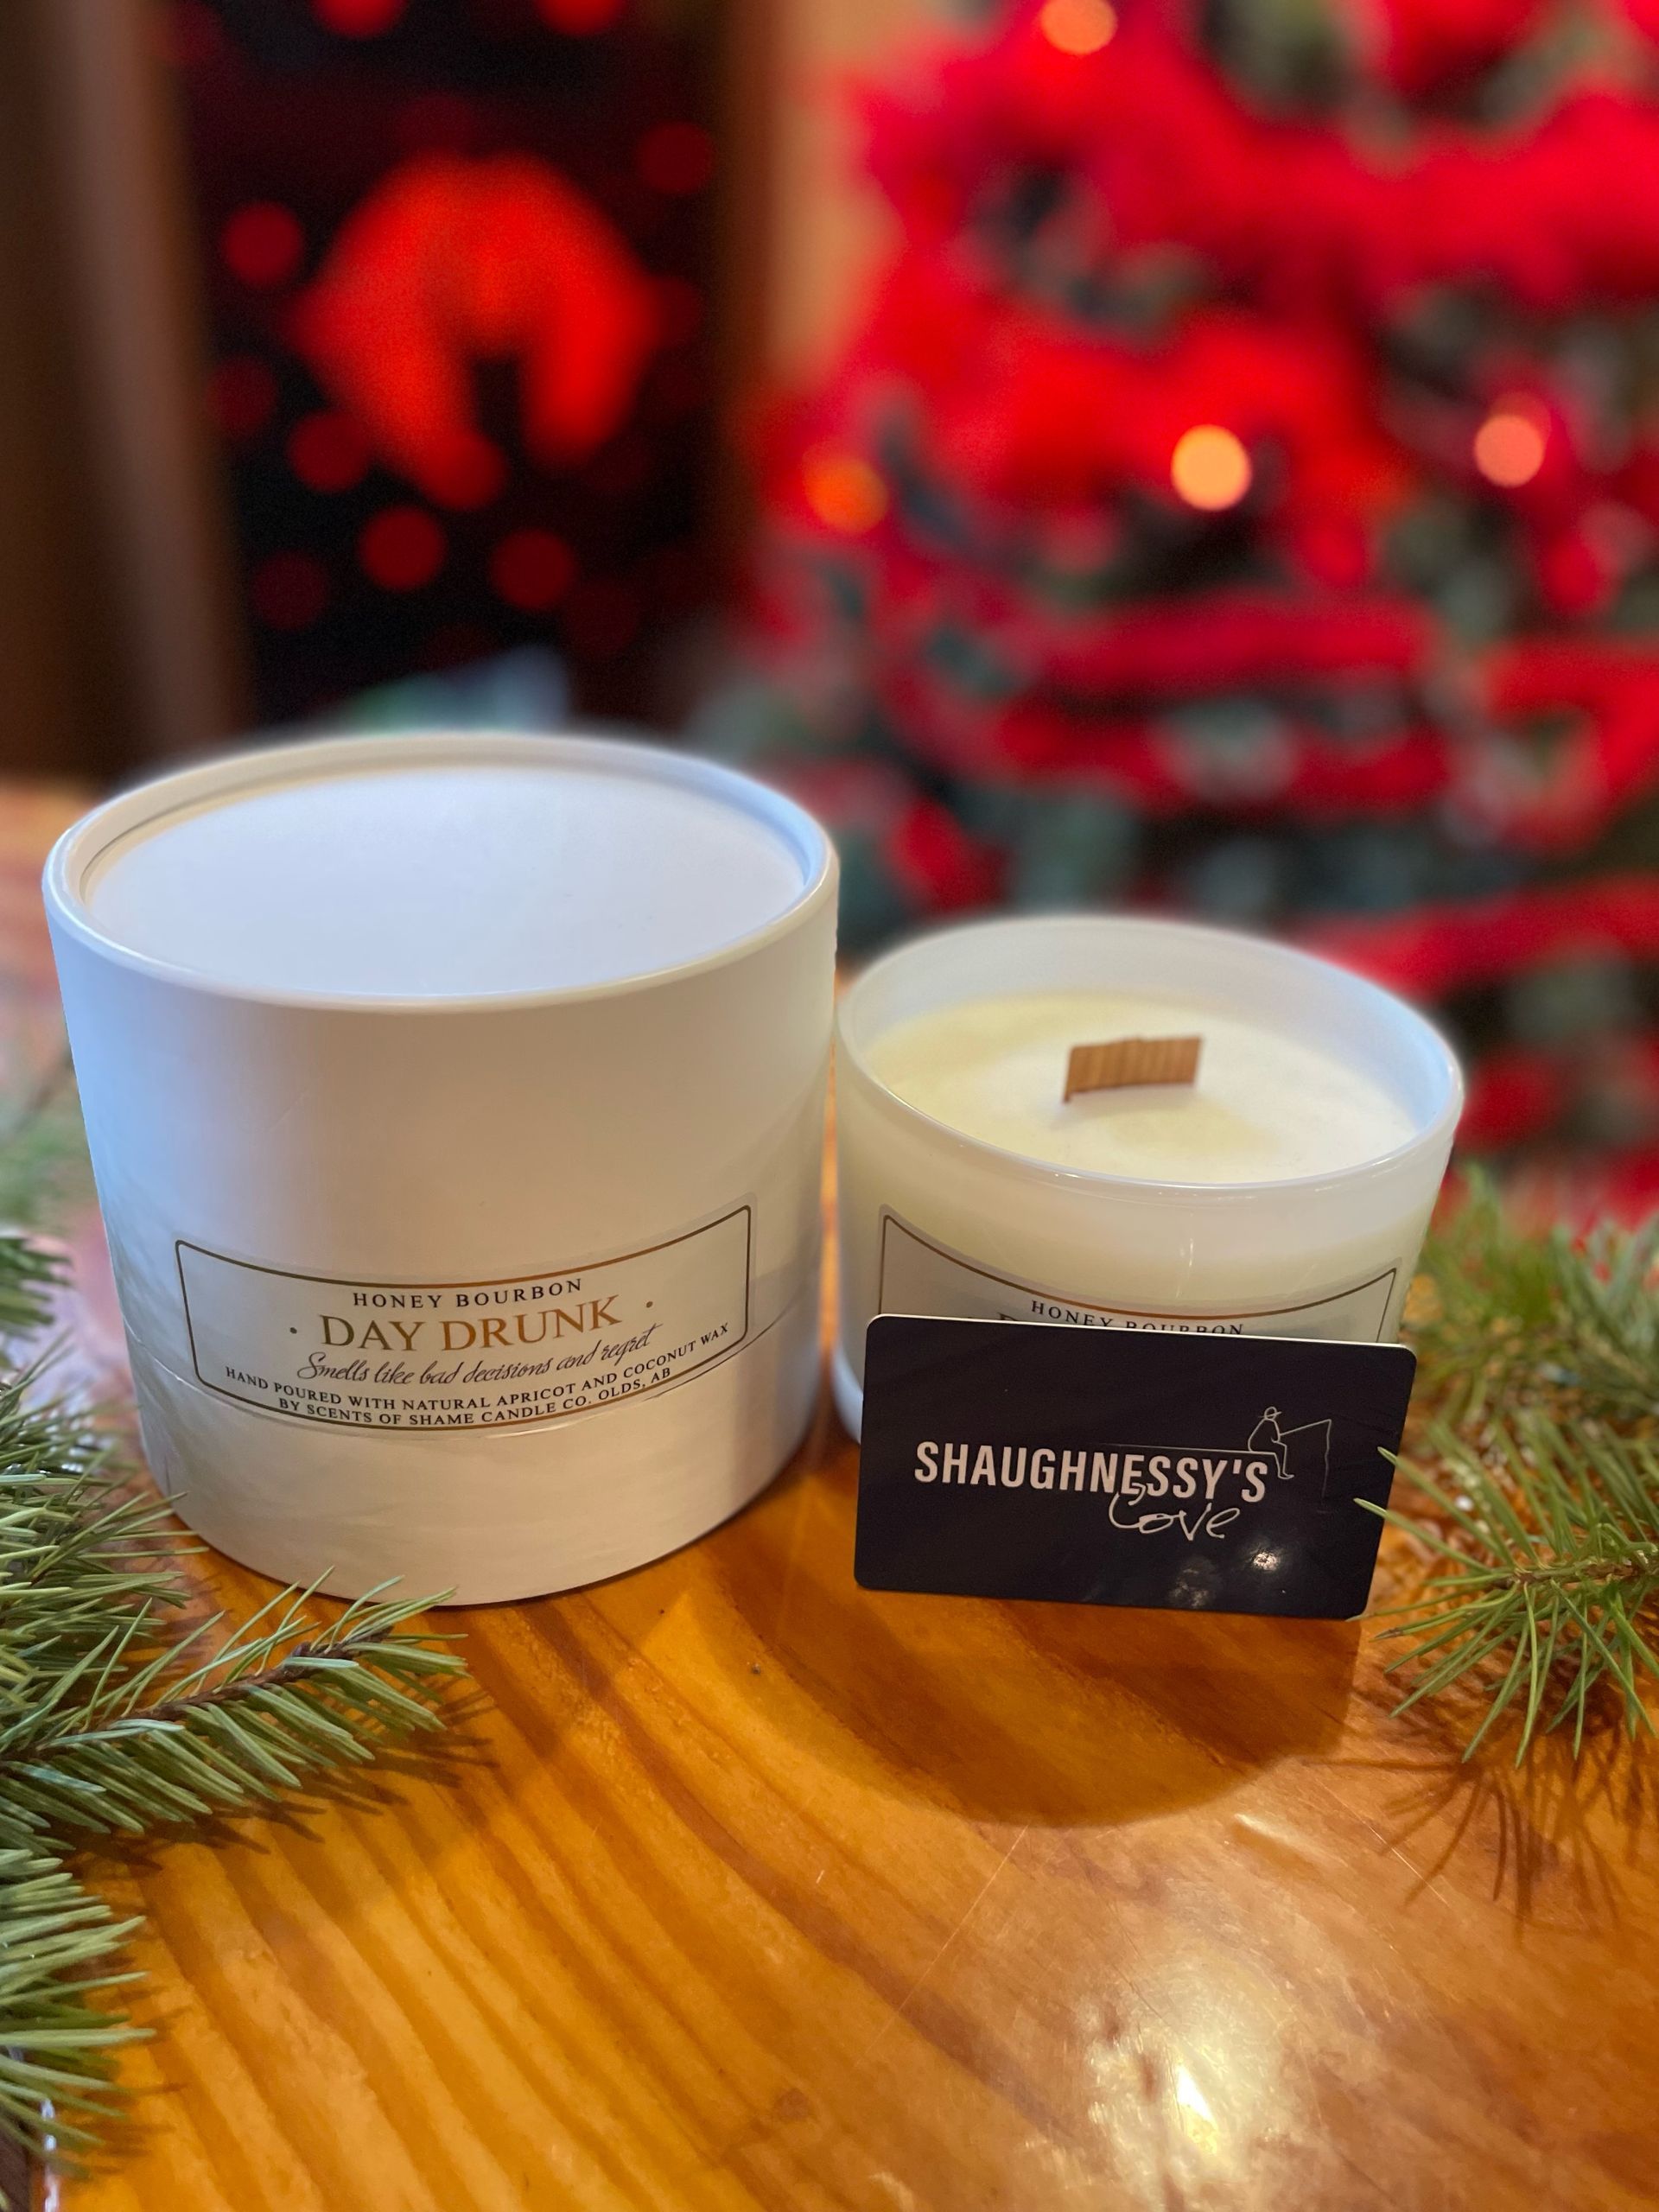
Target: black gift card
x,y
1220,1474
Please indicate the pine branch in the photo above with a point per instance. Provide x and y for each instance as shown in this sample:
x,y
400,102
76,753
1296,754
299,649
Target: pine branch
x,y
28,1277
1518,1319
115,1720
131,1742
58,2037
43,1162
1546,1589
1537,1475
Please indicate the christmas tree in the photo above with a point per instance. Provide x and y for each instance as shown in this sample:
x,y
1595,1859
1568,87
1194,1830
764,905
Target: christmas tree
x,y
1242,498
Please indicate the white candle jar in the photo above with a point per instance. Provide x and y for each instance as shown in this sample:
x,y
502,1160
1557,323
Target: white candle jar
x,y
456,1106
981,1202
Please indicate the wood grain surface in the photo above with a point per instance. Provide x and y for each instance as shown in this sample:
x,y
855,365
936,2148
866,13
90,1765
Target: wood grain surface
x,y
749,1889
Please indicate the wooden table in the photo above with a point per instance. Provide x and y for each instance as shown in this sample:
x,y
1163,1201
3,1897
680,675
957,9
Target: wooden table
x,y
752,1888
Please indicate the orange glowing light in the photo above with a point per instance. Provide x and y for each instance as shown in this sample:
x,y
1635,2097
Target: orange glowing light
x,y
1078,26
843,491
1210,468
1509,444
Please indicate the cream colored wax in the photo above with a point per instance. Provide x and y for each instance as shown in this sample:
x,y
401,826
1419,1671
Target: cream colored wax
x,y
1264,1106
1285,1193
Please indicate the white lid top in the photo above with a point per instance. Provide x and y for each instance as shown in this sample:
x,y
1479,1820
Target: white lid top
x,y
433,868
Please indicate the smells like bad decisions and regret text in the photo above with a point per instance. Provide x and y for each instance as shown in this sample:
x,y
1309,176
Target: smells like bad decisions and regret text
x,y
468,1355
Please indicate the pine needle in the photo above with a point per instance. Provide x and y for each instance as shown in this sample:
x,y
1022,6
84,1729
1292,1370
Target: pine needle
x,y
1536,1476
43,1165
117,1721
1515,1318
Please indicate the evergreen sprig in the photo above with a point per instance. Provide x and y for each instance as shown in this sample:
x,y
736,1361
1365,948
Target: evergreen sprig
x,y
119,1719
43,1164
1545,1584
28,1277
1513,1318
1535,1475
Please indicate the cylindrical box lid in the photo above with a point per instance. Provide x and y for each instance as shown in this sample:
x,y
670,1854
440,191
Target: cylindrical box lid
x,y
436,868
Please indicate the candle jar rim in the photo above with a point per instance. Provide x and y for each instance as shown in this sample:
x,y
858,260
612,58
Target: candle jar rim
x,y
225,775
1434,1132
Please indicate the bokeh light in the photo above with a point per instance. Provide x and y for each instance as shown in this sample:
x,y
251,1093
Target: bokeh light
x,y
842,490
1509,444
1210,468
401,549
1078,26
262,244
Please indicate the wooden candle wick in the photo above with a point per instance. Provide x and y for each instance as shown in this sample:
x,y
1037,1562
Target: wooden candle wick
x,y
1128,1060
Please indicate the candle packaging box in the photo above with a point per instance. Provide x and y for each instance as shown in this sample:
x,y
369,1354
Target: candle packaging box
x,y
456,1103
1281,1187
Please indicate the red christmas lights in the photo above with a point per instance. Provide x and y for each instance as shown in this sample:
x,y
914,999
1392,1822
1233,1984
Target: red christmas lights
x,y
1242,492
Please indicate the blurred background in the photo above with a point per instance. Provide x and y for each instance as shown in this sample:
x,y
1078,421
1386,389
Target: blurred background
x,y
1201,454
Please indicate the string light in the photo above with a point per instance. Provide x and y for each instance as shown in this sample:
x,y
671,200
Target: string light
x,y
1510,443
1078,26
262,244
1210,468
401,549
843,491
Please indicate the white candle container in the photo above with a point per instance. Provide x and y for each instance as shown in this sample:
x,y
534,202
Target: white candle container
x,y
456,1107
934,1220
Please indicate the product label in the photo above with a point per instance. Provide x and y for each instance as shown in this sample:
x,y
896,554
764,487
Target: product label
x,y
918,1276
468,1355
